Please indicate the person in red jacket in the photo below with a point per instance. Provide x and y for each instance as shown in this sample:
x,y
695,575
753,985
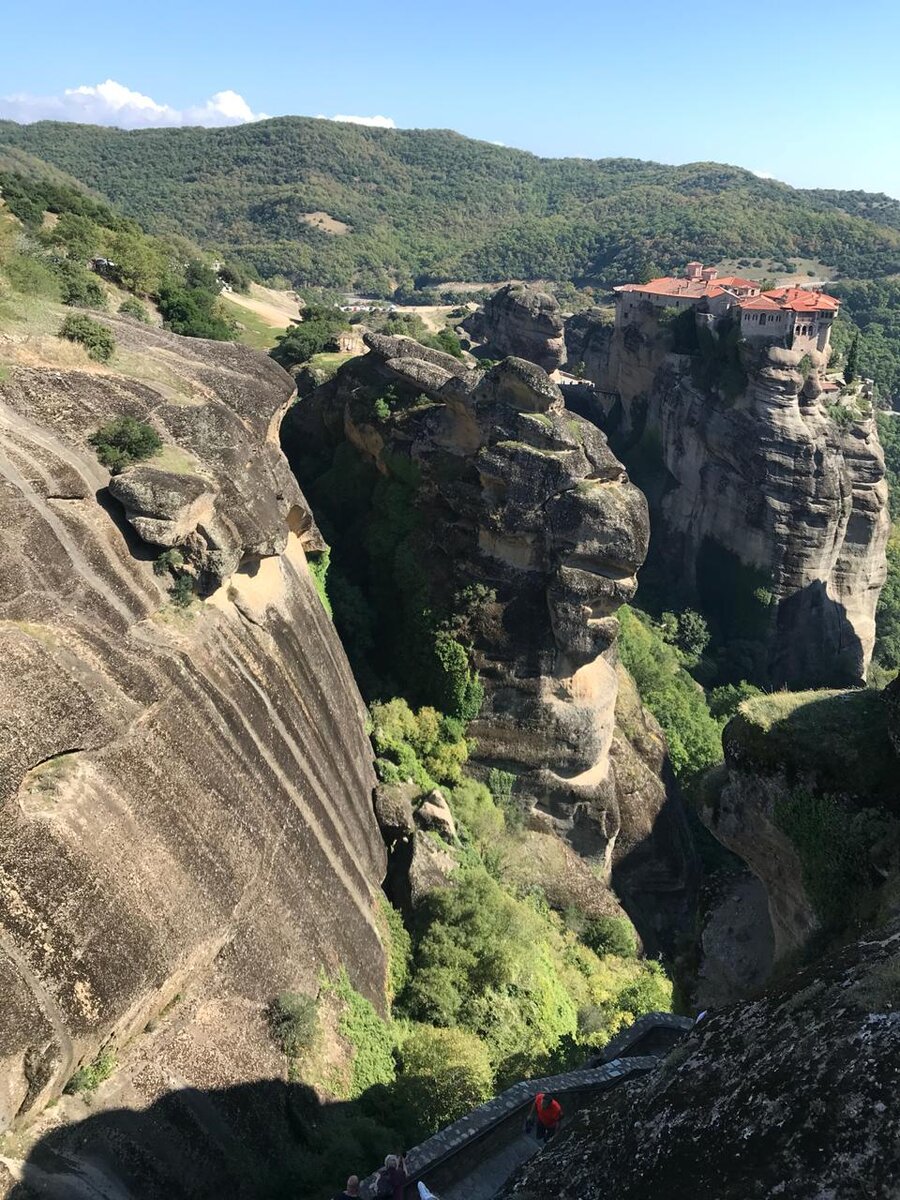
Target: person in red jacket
x,y
548,1113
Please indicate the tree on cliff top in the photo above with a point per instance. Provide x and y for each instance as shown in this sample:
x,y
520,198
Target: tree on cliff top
x,y
851,370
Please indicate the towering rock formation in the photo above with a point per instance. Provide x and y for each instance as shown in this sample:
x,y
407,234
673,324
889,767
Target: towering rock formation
x,y
522,321
764,506
528,502
185,795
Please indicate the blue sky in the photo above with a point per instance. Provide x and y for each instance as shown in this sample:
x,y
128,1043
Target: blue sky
x,y
805,90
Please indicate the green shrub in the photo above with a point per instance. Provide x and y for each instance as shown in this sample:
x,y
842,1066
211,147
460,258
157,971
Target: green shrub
x,y
382,409
293,1020
445,1073
79,288
124,440
399,948
192,308
87,1079
132,307
476,812
370,1037
318,567
422,746
674,698
182,591
610,935
446,340
460,690
843,415
650,992
725,701
833,841
96,338
31,274
169,560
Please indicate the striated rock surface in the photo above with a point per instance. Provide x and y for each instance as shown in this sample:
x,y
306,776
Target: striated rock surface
x,y
764,507
185,796
795,1094
522,321
527,501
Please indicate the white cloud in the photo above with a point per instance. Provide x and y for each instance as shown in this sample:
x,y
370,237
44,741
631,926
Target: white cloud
x,y
378,121
112,103
762,174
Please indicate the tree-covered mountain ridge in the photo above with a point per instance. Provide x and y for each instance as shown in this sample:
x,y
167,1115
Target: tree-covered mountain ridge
x,y
433,205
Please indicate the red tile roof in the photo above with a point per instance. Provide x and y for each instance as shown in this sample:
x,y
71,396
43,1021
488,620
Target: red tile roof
x,y
694,289
735,281
795,299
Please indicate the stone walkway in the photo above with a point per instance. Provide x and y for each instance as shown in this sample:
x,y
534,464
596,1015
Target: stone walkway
x,y
494,1171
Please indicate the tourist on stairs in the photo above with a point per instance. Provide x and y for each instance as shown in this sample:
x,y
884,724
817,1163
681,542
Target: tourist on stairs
x,y
547,1112
391,1178
351,1191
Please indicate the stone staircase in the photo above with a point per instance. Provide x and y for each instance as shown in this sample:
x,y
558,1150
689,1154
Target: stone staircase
x,y
474,1157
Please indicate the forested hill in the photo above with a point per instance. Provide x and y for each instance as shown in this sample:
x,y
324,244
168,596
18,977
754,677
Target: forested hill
x,y
430,203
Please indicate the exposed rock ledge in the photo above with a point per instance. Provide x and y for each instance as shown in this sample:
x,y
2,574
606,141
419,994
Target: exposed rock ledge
x,y
184,797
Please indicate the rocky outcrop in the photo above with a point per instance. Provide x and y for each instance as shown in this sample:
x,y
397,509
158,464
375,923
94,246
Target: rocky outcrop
x,y
185,794
794,1094
526,502
769,512
828,755
522,321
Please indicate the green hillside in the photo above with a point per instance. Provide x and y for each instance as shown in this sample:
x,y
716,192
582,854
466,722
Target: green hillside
x,y
430,205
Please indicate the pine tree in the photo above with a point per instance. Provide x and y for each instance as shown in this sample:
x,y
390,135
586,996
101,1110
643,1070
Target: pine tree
x,y
852,368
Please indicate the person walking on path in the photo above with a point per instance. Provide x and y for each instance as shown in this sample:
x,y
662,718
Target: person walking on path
x,y
351,1191
391,1178
547,1113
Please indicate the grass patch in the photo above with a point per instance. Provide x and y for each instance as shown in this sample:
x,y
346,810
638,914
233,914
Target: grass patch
x,y
370,1037
87,1079
254,331
330,361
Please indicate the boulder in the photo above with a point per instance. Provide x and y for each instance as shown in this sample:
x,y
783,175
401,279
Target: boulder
x,y
430,867
523,321
394,810
434,814
163,506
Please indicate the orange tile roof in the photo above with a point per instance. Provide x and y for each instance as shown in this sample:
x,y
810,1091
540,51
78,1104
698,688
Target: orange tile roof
x,y
794,299
694,289
733,281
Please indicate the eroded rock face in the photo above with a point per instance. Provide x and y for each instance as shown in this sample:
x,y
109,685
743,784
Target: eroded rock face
x,y
522,321
762,504
185,797
795,1094
525,499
